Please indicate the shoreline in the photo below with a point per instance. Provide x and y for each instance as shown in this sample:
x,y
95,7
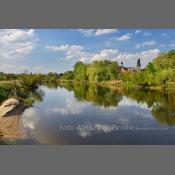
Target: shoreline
x,y
118,84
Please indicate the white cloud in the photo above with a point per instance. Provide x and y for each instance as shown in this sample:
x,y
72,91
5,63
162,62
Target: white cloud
x,y
87,32
146,43
172,45
164,34
58,48
15,43
70,51
105,54
8,68
124,37
137,31
147,34
130,59
83,59
104,31
96,32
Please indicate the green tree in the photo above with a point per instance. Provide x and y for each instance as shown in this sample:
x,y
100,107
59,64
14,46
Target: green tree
x,y
80,71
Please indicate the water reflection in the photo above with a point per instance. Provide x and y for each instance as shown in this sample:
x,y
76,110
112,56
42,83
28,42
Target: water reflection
x,y
101,108
98,95
161,103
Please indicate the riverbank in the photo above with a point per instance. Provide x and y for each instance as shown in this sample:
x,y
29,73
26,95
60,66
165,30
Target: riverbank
x,y
119,84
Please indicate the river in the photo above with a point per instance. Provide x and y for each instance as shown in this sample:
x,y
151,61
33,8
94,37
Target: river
x,y
79,114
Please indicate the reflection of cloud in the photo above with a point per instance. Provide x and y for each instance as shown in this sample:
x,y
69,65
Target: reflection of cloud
x,y
108,108
103,128
88,129
30,118
128,102
69,108
84,134
142,114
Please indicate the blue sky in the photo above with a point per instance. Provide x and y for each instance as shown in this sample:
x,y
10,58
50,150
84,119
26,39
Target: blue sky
x,y
57,50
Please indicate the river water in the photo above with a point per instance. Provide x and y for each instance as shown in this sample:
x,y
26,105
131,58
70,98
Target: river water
x,y
79,114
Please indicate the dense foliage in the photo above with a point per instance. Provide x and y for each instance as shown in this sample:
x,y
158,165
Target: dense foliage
x,y
159,72
97,71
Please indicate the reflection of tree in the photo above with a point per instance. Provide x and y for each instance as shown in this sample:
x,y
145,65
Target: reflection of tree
x,y
164,110
162,103
11,124
37,95
25,93
51,84
101,96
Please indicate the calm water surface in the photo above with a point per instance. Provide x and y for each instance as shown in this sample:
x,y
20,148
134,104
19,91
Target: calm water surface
x,y
77,114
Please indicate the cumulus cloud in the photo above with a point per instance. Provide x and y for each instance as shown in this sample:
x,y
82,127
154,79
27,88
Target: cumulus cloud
x,y
105,54
124,37
78,53
146,43
164,34
147,34
87,32
162,45
96,32
172,45
137,31
15,43
130,59
8,68
67,48
104,31
70,51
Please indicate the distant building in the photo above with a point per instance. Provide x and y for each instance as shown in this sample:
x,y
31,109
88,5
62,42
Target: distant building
x,y
131,69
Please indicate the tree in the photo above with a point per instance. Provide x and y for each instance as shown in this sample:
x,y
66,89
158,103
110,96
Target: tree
x,y
69,75
151,68
139,63
171,53
80,71
102,70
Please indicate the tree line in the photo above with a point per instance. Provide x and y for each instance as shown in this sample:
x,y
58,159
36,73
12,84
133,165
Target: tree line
x,y
159,72
97,71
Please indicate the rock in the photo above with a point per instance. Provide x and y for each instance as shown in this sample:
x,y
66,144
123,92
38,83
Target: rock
x,y
11,121
11,124
8,105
